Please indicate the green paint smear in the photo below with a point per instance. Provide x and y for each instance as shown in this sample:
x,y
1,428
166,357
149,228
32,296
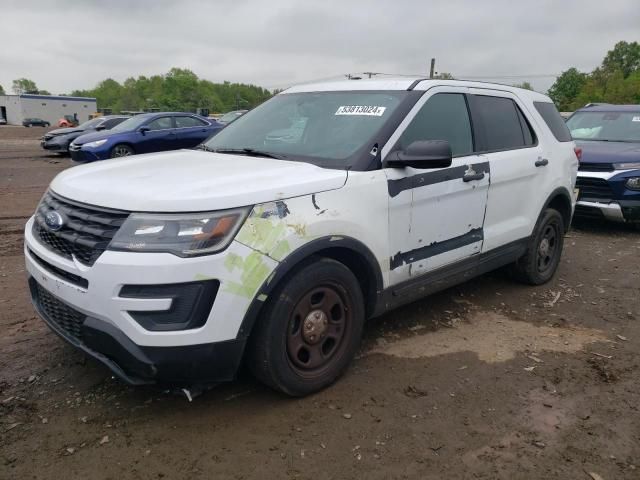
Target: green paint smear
x,y
261,234
254,272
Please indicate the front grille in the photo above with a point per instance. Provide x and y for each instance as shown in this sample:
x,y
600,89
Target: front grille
x,y
61,314
86,230
594,189
595,167
59,272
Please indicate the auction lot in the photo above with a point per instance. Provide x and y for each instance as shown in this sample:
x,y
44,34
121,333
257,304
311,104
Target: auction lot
x,y
490,379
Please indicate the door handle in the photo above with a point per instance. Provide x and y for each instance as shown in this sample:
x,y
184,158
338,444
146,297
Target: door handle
x,y
470,177
541,162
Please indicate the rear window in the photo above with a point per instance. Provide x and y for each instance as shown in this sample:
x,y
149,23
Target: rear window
x,y
554,121
504,126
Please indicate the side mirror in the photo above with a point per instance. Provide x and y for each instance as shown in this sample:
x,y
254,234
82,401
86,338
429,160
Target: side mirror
x,y
421,154
143,129
100,127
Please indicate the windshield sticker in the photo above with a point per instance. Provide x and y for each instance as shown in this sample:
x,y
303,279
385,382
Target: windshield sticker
x,y
635,119
370,111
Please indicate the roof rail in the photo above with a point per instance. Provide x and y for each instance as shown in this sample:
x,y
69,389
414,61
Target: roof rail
x,y
416,82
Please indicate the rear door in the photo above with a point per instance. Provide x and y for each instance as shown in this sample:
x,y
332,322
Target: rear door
x,y
519,165
190,131
436,215
160,136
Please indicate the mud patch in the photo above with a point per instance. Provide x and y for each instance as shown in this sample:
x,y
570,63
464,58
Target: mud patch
x,y
494,338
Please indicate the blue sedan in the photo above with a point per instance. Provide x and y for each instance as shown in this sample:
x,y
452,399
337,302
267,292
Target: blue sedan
x,y
146,133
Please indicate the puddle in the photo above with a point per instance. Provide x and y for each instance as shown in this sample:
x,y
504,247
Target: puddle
x,y
494,338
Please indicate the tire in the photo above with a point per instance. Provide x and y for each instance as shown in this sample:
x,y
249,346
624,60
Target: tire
x,y
309,330
121,150
540,262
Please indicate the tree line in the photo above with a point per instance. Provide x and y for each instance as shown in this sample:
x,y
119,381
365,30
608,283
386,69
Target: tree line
x,y
616,80
178,90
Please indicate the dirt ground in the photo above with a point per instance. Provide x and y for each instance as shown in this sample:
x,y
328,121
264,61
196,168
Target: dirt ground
x,y
490,379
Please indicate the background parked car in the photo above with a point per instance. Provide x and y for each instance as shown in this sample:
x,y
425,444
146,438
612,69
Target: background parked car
x,y
231,116
609,172
3,121
58,140
150,132
35,122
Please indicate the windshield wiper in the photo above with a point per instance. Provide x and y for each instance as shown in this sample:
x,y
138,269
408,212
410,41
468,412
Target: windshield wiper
x,y
250,152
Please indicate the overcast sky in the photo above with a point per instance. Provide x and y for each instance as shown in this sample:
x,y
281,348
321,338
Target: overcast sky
x,y
64,45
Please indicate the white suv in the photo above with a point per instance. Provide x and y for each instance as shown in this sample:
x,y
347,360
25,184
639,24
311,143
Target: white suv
x,y
327,205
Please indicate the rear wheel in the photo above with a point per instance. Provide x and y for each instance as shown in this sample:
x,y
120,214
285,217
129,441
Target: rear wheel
x,y
121,150
310,329
540,262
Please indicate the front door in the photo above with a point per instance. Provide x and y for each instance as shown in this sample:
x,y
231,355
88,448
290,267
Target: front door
x,y
160,136
436,215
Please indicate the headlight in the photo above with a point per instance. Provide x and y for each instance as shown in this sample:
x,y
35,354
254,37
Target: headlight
x,y
626,166
97,143
633,183
184,235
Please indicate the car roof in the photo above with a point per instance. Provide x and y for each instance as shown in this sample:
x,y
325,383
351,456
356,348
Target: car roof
x,y
408,83
609,107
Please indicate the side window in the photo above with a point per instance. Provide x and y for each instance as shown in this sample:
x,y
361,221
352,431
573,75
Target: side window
x,y
501,121
161,123
554,121
109,124
185,122
443,117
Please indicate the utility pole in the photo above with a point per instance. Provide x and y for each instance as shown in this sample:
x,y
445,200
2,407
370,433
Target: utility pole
x,y
433,67
369,74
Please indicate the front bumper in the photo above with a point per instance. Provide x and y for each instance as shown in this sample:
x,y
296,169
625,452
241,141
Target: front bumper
x,y
106,329
138,365
604,195
84,155
54,146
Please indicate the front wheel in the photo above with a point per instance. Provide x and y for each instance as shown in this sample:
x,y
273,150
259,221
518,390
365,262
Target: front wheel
x,y
541,260
310,329
121,150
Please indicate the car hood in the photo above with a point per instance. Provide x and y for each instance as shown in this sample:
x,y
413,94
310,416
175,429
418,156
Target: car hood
x,y
64,131
191,181
608,152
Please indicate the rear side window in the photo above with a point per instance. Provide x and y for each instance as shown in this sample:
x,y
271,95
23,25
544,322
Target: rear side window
x,y
443,117
185,122
554,121
504,125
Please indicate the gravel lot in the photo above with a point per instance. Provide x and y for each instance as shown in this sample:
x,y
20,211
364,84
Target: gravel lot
x,y
490,379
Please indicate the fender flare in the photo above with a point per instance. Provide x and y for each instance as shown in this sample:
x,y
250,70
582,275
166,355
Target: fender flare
x,y
298,256
563,193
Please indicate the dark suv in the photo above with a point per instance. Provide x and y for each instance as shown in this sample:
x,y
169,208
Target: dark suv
x,y
609,172
58,140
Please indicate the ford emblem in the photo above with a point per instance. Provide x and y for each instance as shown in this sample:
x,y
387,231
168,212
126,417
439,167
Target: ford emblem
x,y
54,221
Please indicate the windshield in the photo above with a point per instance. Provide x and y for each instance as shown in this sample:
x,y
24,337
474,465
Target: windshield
x,y
605,126
90,123
324,128
130,123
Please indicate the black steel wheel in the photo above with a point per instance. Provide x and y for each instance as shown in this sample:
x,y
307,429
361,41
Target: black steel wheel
x,y
540,262
310,329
